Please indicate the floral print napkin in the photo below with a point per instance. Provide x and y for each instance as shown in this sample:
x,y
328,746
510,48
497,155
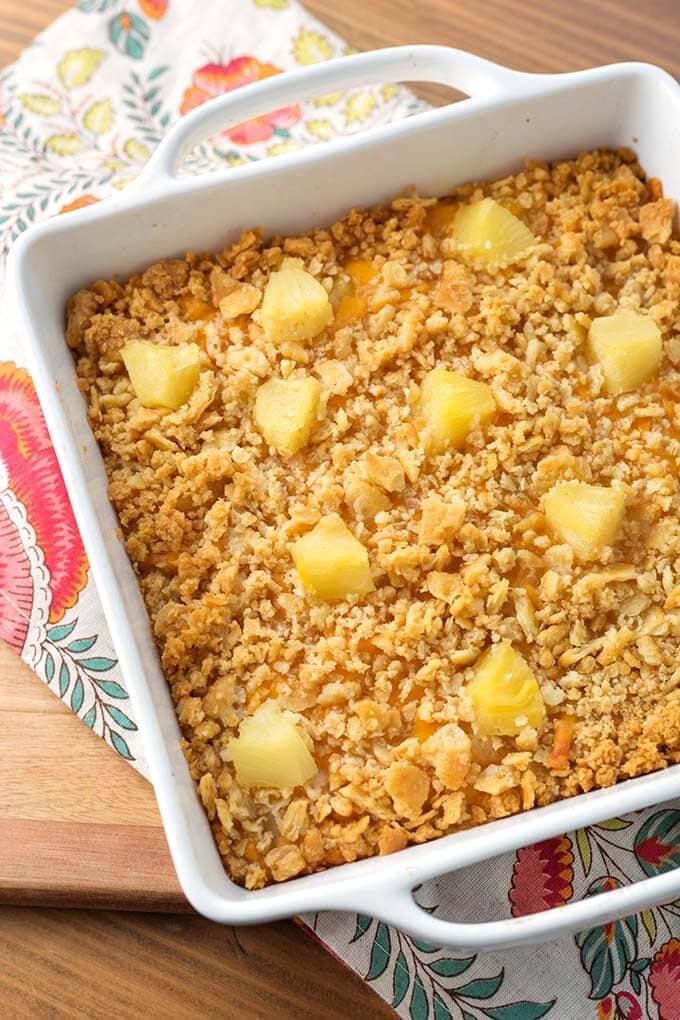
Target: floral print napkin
x,y
81,111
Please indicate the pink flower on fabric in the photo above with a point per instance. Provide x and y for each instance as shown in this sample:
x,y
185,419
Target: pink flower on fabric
x,y
16,586
542,876
628,1006
30,466
215,79
664,980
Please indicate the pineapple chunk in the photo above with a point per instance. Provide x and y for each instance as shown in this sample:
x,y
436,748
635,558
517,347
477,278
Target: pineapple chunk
x,y
453,406
331,562
628,349
285,411
270,751
505,694
486,230
162,376
295,306
587,517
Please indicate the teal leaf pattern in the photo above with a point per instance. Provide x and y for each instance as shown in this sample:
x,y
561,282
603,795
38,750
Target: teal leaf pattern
x,y
481,988
425,947
100,664
519,1010
434,995
119,717
129,33
364,922
97,6
449,967
380,953
59,633
401,979
77,695
441,1010
82,683
120,745
418,1006
607,951
81,645
110,687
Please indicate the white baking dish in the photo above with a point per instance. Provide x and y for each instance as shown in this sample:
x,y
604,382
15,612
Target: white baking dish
x,y
508,117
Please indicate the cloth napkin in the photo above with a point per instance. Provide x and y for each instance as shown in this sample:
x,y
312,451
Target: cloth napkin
x,y
82,109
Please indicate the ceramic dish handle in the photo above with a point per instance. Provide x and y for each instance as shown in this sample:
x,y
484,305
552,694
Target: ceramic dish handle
x,y
395,904
477,77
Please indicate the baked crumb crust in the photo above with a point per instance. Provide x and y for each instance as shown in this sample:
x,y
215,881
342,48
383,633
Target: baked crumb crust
x,y
458,546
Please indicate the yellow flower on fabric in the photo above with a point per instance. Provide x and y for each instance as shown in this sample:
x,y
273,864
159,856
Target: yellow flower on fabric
x,y
135,151
389,91
77,67
320,128
44,106
359,106
278,148
311,47
330,99
123,182
99,118
276,5
64,145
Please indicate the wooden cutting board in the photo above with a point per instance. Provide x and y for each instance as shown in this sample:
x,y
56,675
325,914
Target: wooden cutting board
x,y
78,826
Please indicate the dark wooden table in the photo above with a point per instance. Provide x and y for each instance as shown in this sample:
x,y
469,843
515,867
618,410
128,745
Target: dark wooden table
x,y
93,963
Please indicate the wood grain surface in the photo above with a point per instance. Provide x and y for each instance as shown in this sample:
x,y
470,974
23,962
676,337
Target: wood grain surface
x,y
77,825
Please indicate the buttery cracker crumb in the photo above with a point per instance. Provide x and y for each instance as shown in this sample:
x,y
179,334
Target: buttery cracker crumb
x,y
459,549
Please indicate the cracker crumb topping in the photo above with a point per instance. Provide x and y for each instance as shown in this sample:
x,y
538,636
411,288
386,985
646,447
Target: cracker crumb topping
x,y
462,554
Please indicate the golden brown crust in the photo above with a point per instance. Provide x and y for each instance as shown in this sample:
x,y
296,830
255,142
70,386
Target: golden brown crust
x,y
457,543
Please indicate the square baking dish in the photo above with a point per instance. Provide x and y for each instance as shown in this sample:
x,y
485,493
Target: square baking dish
x,y
509,116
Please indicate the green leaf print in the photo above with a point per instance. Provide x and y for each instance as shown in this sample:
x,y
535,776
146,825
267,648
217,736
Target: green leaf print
x,y
450,967
584,850
119,717
519,1010
64,679
97,6
480,988
401,979
441,1010
614,824
49,667
129,33
425,947
380,953
649,924
81,645
77,695
364,922
57,634
121,746
607,950
111,688
97,664
418,1006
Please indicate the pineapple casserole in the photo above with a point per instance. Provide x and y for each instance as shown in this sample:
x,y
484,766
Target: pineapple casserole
x,y
402,497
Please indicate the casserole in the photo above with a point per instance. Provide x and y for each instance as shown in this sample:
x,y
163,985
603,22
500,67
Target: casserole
x,y
512,116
